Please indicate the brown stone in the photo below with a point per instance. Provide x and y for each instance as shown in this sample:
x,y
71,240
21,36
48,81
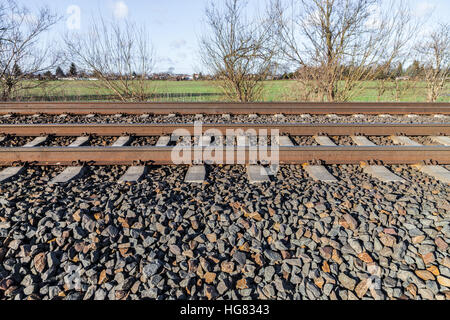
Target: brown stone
x,y
418,239
364,256
362,287
306,233
309,205
387,240
352,223
285,254
102,277
442,245
209,277
244,223
326,267
227,266
347,204
97,216
188,253
390,231
434,270
336,257
194,224
212,237
242,284
428,258
214,259
40,262
255,216
124,252
77,216
444,281
123,222
319,282
245,247
258,259
412,288
315,237
446,262
344,223
326,252
425,275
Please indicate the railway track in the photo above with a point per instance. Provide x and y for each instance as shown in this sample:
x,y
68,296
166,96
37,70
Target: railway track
x,y
244,146
239,151
71,130
80,108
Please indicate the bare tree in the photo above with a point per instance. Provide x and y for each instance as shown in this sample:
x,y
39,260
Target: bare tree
x,y
344,41
403,87
434,51
119,54
237,49
23,52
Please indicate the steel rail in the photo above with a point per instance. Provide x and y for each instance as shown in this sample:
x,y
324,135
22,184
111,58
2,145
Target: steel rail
x,y
163,155
294,129
82,108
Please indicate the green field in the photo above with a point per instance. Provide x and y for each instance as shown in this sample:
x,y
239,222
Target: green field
x,y
196,91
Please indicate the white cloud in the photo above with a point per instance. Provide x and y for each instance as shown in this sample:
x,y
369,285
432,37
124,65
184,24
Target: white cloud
x,y
424,8
120,10
177,44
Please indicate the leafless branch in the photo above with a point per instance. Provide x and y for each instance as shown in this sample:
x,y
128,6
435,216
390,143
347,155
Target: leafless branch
x,y
22,51
434,51
341,43
120,55
238,50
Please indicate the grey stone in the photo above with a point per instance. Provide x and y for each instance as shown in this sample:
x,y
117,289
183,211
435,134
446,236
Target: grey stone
x,y
152,268
272,256
240,257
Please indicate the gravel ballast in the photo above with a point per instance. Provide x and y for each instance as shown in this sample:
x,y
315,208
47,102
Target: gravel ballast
x,y
292,238
111,119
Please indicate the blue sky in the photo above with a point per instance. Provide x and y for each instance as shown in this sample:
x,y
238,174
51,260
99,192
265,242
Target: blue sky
x,y
175,25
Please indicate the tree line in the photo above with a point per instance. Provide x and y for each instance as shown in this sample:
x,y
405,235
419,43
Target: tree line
x,y
329,48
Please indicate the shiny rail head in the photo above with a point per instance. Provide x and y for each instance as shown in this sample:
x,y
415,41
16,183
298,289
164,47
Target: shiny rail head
x,y
231,155
321,108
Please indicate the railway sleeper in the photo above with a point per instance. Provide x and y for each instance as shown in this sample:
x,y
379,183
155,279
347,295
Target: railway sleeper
x,y
436,171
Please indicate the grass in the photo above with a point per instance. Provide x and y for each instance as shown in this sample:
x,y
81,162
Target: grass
x,y
197,91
